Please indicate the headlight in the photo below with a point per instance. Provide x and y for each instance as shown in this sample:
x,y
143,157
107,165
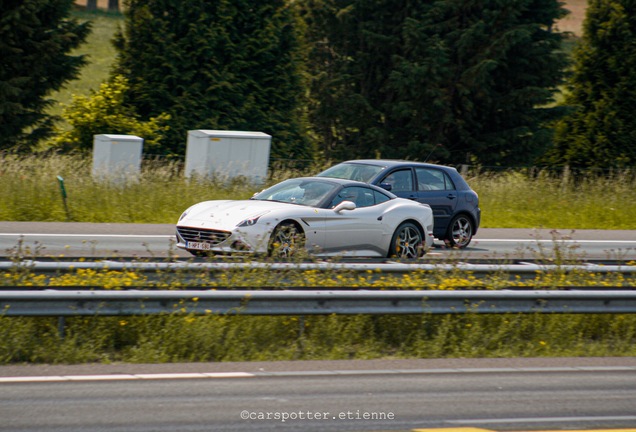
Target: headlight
x,y
251,221
185,213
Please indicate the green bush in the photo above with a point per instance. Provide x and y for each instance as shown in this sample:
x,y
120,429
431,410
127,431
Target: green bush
x,y
105,112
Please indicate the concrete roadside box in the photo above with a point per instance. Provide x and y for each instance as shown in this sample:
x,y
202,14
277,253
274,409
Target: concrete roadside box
x,y
227,154
116,157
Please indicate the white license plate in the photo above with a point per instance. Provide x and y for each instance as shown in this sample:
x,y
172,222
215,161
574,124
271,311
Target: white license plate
x,y
198,245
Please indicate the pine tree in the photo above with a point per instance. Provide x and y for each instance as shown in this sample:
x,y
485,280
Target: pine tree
x,y
36,37
466,80
601,132
227,64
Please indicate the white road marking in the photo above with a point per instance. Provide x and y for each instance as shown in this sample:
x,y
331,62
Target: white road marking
x,y
197,375
123,377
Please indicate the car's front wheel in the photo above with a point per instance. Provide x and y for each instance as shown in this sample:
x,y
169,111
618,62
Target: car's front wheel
x,y
287,239
407,242
460,232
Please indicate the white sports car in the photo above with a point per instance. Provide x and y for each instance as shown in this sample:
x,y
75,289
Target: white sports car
x,y
328,217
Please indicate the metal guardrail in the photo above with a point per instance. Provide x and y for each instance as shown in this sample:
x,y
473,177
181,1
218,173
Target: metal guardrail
x,y
385,267
316,302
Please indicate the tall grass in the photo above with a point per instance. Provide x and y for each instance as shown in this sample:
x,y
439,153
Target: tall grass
x,y
545,199
161,339
514,199
31,192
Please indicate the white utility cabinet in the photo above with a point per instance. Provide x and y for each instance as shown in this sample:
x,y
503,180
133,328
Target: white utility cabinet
x,y
227,154
116,156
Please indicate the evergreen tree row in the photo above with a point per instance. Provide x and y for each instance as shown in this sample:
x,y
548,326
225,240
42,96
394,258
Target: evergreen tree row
x,y
452,81
463,81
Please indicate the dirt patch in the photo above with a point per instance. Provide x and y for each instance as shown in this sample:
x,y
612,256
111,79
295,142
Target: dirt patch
x,y
101,4
574,21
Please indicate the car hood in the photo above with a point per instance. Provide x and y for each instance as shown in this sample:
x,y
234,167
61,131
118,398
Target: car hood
x,y
227,214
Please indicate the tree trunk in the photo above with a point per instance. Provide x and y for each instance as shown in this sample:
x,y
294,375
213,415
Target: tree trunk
x,y
91,5
113,5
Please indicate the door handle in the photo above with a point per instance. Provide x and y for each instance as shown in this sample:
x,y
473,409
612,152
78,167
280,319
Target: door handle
x,y
451,196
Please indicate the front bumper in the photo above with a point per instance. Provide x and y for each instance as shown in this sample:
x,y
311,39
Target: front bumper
x,y
216,241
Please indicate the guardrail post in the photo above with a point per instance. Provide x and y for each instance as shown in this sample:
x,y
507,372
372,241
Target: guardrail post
x,y
300,346
61,327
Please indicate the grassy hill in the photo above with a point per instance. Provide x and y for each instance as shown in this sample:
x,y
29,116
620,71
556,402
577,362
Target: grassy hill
x,y
100,52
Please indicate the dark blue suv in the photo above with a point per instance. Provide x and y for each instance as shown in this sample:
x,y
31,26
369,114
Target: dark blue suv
x,y
455,205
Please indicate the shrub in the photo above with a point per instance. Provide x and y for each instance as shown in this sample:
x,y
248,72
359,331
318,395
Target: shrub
x,y
105,112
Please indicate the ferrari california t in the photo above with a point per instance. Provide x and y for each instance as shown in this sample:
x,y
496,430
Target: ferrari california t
x,y
327,217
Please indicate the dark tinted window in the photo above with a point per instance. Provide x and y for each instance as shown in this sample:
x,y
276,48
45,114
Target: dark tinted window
x,y
433,179
380,197
358,172
400,180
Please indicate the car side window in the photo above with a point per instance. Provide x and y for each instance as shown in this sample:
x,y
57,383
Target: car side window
x,y
433,179
362,197
400,180
380,197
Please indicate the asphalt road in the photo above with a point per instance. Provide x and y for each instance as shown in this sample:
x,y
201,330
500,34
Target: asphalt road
x,y
375,395
146,240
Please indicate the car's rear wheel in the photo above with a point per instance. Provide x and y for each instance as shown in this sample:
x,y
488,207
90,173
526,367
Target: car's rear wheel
x,y
287,239
407,242
460,232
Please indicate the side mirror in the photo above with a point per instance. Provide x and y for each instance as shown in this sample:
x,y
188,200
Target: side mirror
x,y
345,205
386,186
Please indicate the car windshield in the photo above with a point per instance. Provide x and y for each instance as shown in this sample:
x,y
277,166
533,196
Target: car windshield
x,y
299,191
352,171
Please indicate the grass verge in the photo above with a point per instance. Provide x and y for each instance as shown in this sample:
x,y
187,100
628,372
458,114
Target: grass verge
x,y
511,199
161,339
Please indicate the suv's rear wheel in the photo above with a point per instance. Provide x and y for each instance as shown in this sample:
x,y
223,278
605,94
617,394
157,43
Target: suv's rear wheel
x,y
460,232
